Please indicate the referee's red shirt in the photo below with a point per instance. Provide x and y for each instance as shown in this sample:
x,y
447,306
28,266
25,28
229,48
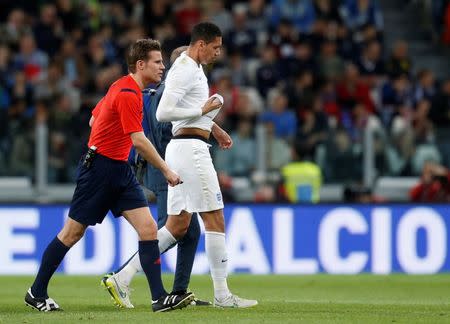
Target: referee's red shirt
x,y
117,114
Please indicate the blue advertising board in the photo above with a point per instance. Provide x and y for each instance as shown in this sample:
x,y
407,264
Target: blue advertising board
x,y
261,239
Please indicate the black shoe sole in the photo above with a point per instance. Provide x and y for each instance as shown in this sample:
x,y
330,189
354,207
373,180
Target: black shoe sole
x,y
37,309
181,304
30,301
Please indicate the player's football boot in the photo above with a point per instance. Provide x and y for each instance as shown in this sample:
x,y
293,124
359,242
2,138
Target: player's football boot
x,y
171,302
119,292
195,302
41,304
233,301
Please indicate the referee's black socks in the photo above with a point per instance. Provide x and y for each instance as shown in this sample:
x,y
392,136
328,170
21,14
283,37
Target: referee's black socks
x,y
52,257
151,264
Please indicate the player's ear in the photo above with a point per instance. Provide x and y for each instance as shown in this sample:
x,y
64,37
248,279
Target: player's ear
x,y
140,65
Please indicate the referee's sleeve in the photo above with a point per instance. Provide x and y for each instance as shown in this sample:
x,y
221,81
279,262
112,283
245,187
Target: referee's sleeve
x,y
130,111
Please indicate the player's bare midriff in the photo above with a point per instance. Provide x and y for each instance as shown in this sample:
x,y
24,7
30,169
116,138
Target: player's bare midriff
x,y
193,131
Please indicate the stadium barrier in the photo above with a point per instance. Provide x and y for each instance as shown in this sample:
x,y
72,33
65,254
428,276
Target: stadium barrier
x,y
262,239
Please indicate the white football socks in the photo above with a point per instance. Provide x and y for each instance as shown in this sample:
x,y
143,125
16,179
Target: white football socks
x,y
218,260
127,273
165,241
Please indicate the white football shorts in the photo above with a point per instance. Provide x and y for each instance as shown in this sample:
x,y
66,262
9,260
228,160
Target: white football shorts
x,y
200,191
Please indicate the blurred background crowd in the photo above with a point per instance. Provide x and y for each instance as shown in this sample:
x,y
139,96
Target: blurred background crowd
x,y
304,82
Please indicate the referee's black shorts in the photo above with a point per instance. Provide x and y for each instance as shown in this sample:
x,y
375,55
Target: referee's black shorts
x,y
107,185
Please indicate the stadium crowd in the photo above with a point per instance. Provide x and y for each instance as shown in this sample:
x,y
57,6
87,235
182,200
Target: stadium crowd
x,y
313,74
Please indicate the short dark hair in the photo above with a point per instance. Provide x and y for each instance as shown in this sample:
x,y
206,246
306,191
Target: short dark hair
x,y
139,51
205,31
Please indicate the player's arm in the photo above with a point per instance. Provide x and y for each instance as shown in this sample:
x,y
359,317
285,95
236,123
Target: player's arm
x,y
146,149
178,83
221,136
128,106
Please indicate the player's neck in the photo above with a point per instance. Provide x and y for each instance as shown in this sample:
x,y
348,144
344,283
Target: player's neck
x,y
139,80
192,52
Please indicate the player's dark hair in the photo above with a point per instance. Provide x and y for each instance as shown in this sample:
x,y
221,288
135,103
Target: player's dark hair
x,y
139,50
205,31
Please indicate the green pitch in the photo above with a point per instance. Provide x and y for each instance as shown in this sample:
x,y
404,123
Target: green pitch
x,y
283,299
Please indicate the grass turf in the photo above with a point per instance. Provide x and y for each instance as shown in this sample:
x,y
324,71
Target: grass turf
x,y
282,299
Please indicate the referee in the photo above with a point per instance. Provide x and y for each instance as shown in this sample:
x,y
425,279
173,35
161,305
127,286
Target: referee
x,y
106,181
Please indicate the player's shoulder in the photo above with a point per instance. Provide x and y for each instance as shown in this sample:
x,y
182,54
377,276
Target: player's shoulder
x,y
182,64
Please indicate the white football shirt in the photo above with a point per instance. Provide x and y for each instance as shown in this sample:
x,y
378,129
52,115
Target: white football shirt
x,y
186,91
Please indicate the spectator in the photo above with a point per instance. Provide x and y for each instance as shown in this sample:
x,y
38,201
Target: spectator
x,y
446,27
425,88
340,154
327,11
302,179
157,13
239,161
299,12
48,31
267,75
67,13
312,130
423,127
399,62
186,16
440,107
283,38
220,16
434,186
21,90
370,64
31,60
21,157
395,94
283,120
15,27
277,151
300,92
74,67
331,65
359,13
301,61
351,89
258,18
240,37
6,74
363,18
223,85
239,75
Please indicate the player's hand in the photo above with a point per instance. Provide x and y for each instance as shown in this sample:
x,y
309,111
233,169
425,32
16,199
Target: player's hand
x,y
172,178
223,139
210,105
